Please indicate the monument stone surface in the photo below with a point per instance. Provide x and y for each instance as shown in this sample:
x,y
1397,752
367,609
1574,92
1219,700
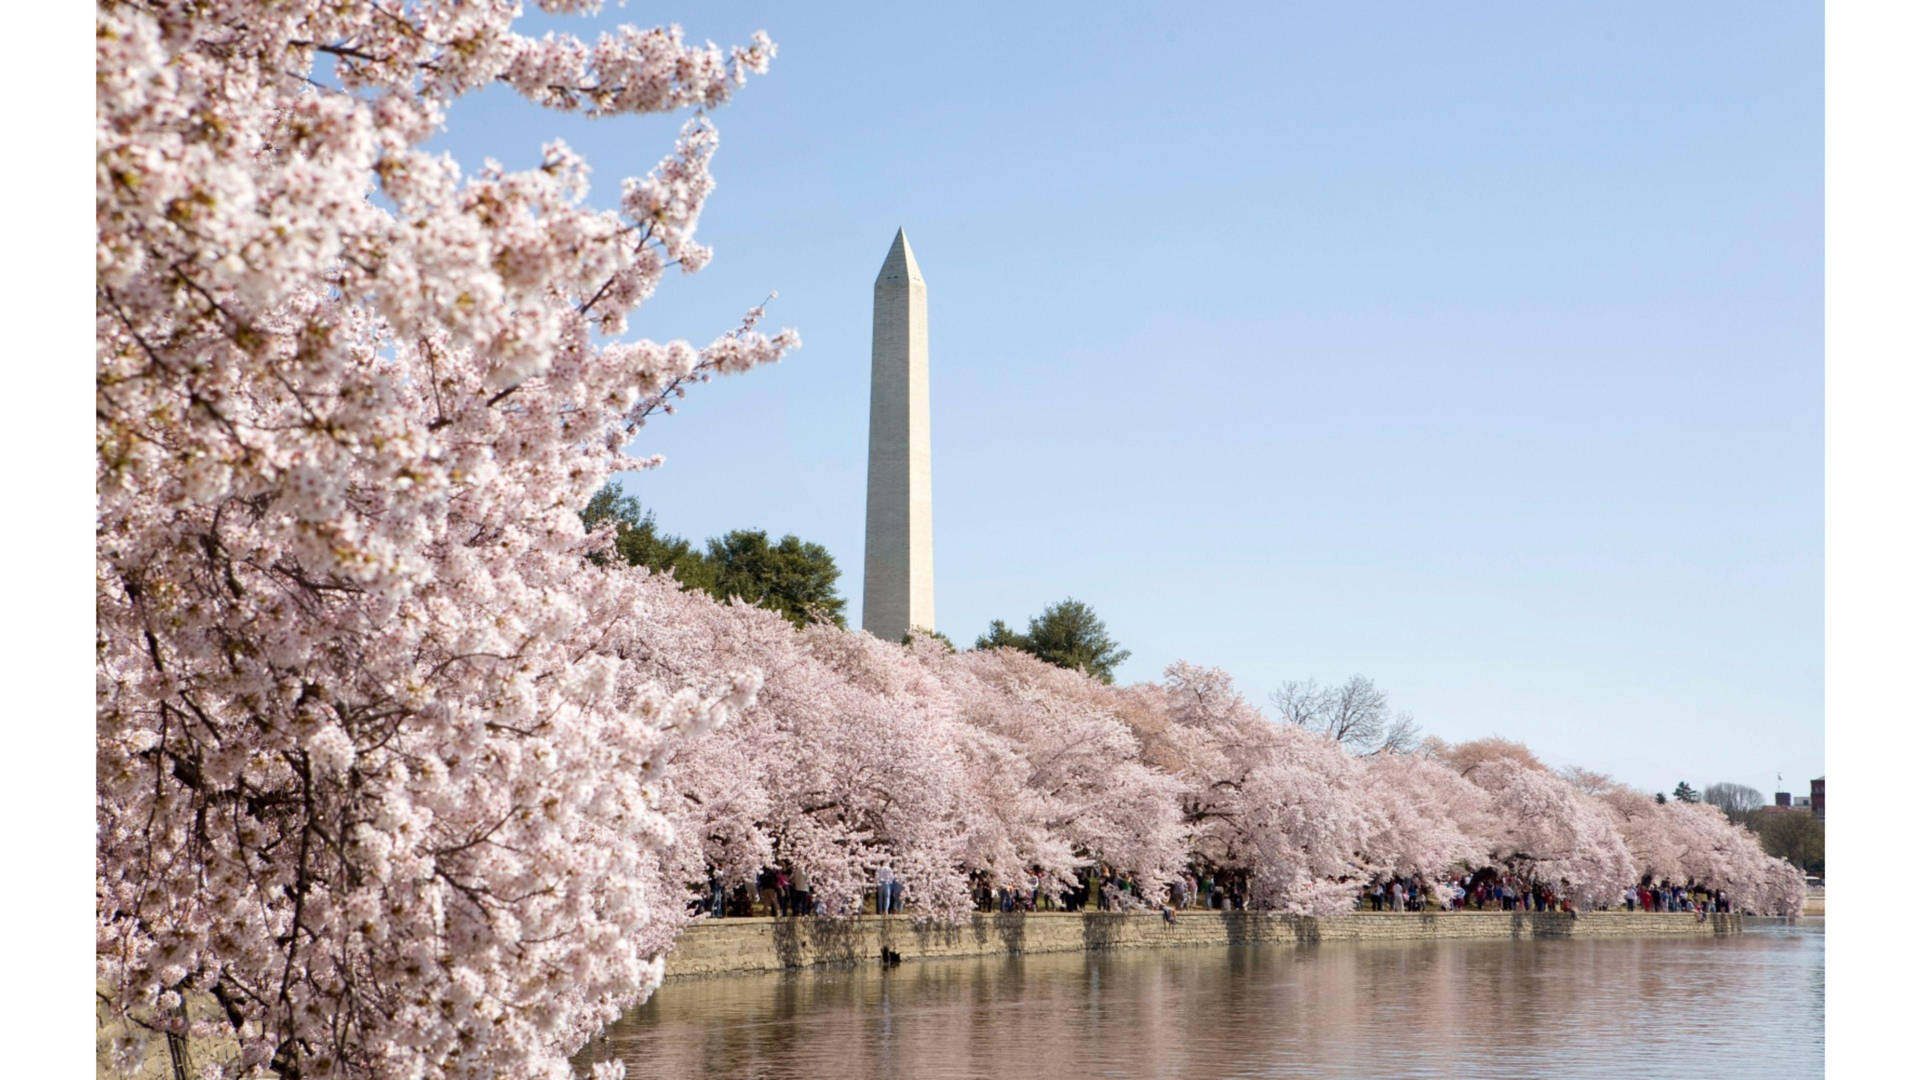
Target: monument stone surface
x,y
898,593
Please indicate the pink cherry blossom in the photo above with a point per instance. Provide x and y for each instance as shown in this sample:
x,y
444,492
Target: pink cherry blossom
x,y
378,770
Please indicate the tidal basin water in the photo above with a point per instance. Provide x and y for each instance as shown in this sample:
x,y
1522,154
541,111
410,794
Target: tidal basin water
x,y
1749,1005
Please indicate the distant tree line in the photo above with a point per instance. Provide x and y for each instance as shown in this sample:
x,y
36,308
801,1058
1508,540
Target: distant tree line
x,y
800,580
1354,714
1794,835
794,577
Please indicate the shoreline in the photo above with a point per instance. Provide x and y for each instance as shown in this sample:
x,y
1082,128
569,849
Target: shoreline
x,y
714,948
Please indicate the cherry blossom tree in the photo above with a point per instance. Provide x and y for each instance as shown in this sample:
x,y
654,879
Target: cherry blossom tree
x,y
1087,797
851,757
1696,843
1464,757
1592,836
1432,819
884,758
376,769
944,767
1551,832
1644,827
992,767
1278,804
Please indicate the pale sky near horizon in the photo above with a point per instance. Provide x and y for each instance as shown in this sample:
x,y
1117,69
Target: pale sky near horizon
x,y
1477,349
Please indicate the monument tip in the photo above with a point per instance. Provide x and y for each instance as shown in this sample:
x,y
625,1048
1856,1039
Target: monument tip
x,y
900,265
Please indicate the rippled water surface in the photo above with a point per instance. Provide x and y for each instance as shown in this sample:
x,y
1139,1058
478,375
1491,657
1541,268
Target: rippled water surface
x,y
1750,1005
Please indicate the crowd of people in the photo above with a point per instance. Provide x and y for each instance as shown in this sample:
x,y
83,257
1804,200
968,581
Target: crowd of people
x,y
1485,890
1666,896
778,892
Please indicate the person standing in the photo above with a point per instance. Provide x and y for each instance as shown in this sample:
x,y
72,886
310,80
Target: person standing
x,y
882,888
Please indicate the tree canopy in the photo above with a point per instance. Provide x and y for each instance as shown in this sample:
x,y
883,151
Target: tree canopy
x,y
794,577
1067,634
379,754
639,541
1794,835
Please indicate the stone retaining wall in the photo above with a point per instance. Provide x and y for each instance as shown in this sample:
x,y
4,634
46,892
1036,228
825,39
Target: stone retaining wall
x,y
729,946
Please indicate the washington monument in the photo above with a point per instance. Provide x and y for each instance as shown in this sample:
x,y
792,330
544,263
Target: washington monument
x,y
899,578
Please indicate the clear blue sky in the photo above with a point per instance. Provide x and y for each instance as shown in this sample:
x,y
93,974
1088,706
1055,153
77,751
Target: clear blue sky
x,y
1473,347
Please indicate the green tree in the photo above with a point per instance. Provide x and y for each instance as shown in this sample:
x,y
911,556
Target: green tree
x,y
1660,797
641,543
998,636
794,577
1067,634
1685,793
1796,836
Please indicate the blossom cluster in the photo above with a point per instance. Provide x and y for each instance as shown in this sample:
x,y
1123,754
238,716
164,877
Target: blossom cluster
x,y
376,773
993,767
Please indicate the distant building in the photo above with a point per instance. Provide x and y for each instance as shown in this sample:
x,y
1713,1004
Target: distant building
x,y
1783,799
1819,797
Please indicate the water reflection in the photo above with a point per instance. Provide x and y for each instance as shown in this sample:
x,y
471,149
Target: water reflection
x,y
1752,1004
